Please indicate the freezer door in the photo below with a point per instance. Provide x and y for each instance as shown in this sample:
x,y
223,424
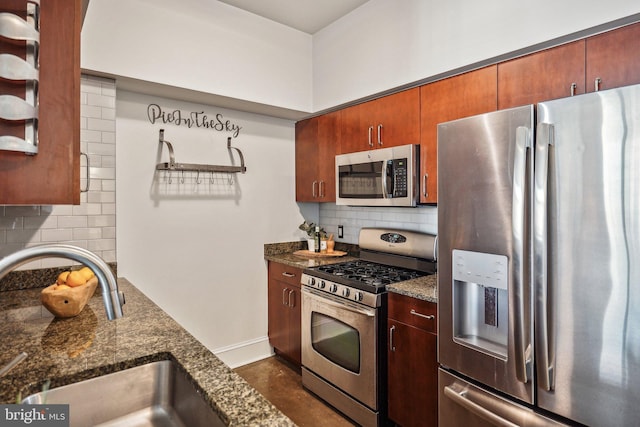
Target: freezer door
x,y
587,257
463,404
485,170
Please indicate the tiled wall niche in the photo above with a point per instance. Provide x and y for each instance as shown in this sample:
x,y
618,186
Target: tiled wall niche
x,y
92,224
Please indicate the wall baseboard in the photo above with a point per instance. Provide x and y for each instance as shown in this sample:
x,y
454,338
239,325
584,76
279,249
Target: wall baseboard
x,y
245,352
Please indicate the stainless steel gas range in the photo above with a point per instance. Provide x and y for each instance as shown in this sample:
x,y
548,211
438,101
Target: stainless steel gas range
x,y
344,314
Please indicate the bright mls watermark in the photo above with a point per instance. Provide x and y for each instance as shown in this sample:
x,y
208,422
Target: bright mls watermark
x,y
34,415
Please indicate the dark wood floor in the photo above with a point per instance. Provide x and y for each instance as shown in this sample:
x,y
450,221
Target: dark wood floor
x,y
282,386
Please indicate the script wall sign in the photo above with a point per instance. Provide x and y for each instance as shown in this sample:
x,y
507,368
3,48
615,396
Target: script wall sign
x,y
198,119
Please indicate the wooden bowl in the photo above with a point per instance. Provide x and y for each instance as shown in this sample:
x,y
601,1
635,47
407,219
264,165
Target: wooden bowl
x,y
68,302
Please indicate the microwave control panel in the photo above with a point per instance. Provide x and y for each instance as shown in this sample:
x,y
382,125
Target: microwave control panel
x,y
399,168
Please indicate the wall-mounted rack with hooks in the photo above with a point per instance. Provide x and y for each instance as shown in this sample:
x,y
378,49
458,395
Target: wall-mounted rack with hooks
x,y
24,72
194,167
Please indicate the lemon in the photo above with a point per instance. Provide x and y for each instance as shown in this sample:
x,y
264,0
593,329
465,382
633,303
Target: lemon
x,y
87,273
75,278
62,278
60,287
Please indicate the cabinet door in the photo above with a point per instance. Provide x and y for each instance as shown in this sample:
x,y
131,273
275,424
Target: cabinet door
x,y
355,132
460,96
384,122
306,160
542,76
278,315
284,311
295,319
328,141
396,119
412,376
53,175
614,58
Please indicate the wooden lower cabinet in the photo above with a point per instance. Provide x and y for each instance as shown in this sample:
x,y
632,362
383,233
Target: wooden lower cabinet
x,y
412,362
284,311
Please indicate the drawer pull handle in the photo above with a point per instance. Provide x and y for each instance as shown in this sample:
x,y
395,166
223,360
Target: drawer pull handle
x,y
285,274
426,316
391,330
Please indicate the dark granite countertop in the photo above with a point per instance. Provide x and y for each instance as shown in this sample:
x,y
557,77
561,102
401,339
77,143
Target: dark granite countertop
x,y
89,345
283,253
425,288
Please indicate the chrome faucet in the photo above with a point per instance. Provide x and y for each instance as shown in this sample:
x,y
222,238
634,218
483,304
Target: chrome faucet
x,y
113,299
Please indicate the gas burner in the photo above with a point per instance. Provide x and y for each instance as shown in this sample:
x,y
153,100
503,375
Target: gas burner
x,y
366,275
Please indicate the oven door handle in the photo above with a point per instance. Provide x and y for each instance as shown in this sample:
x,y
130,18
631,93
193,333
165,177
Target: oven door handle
x,y
335,302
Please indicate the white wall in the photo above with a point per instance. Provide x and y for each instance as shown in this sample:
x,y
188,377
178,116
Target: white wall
x,y
214,48
388,43
200,45
197,249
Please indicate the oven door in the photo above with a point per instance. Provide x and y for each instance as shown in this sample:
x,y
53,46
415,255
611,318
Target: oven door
x,y
339,344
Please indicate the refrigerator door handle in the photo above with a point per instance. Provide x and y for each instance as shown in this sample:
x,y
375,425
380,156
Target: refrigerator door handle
x,y
461,399
522,347
544,358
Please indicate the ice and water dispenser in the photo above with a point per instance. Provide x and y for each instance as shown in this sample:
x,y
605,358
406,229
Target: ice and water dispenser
x,y
480,301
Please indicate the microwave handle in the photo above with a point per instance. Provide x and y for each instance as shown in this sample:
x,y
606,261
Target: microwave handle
x,y
385,173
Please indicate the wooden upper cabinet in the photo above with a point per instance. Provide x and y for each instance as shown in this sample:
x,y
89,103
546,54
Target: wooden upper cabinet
x,y
614,58
460,96
385,122
328,143
52,176
542,76
316,146
306,156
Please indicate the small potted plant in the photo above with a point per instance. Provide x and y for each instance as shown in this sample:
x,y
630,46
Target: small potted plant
x,y
310,229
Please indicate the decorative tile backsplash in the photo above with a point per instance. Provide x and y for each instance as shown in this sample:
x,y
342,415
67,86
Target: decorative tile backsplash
x,y
92,224
352,218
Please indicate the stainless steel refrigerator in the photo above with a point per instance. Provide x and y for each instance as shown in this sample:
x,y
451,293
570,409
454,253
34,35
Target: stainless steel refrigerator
x,y
539,264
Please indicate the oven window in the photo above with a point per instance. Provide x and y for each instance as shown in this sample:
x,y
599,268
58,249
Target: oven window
x,y
335,340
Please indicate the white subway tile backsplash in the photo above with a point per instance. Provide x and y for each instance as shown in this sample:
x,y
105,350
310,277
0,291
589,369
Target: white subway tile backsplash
x,y
92,223
88,136
39,222
102,221
102,173
87,233
11,222
90,112
101,100
23,236
76,221
423,218
22,211
101,125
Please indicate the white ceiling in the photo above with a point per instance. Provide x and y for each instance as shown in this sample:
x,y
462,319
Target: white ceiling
x,y
304,15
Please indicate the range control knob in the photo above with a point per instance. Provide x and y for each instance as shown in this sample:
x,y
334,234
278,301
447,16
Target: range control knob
x,y
346,292
322,284
333,288
358,296
311,281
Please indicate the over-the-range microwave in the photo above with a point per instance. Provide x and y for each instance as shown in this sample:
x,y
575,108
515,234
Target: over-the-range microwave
x,y
382,177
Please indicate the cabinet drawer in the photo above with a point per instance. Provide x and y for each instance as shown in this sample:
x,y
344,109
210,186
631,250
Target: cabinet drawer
x,y
285,273
412,311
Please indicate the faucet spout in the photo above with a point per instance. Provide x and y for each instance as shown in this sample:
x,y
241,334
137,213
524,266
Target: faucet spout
x,y
113,299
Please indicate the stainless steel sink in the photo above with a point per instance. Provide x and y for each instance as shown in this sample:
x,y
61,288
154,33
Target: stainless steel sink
x,y
155,394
